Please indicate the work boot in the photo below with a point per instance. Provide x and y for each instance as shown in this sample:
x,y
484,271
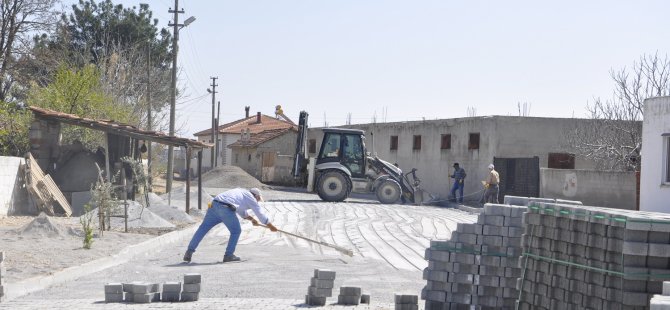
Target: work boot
x,y
230,258
187,256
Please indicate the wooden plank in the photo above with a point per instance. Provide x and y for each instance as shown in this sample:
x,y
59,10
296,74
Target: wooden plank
x,y
57,195
45,190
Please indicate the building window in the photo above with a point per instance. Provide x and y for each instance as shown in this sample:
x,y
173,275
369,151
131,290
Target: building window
x,y
394,143
561,161
473,142
666,158
312,146
416,144
446,142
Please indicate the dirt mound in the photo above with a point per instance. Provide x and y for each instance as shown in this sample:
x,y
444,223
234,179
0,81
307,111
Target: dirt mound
x,y
230,177
42,226
138,217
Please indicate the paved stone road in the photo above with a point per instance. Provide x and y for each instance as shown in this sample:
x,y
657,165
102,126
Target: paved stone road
x,y
388,243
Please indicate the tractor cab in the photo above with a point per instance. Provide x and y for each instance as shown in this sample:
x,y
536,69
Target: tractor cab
x,y
344,147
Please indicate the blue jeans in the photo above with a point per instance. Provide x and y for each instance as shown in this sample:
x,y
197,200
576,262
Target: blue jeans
x,y
457,186
218,213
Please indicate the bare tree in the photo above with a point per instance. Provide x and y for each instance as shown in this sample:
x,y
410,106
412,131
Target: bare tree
x,y
614,139
18,20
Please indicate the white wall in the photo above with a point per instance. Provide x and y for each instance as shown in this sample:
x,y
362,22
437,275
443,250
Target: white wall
x,y
654,191
611,189
13,194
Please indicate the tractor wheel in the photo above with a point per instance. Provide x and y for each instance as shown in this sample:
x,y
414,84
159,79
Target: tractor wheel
x,y
388,192
334,186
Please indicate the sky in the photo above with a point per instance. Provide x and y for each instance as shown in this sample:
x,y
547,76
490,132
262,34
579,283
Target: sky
x,y
406,60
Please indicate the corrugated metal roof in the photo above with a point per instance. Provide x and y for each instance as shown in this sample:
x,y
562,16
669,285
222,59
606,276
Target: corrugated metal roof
x,y
261,137
117,128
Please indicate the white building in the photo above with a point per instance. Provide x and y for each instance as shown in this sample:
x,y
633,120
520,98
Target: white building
x,y
655,174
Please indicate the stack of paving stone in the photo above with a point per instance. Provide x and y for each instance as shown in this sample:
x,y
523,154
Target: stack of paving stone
x,y
137,292
144,292
662,302
349,295
3,271
406,302
191,289
479,265
578,257
171,291
320,288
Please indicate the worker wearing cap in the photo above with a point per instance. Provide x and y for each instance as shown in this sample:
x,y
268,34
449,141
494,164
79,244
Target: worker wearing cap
x,y
491,183
224,209
459,182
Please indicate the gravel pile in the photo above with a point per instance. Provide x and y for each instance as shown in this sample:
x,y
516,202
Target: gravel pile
x,y
230,177
174,214
138,217
42,226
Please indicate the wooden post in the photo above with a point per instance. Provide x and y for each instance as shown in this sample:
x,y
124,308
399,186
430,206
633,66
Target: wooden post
x,y
188,179
200,179
107,173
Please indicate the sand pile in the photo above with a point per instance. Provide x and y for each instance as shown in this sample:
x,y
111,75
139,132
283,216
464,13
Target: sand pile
x,y
174,214
42,226
229,177
138,217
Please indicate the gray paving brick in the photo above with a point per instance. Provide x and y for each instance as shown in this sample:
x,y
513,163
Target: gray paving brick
x,y
114,297
143,298
187,297
171,287
350,290
192,288
113,288
319,292
192,278
365,299
321,283
348,299
315,301
325,274
170,296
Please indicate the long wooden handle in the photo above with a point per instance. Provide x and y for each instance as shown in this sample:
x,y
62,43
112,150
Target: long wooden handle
x,y
338,248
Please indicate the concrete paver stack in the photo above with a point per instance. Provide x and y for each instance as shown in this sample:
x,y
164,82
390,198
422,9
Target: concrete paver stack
x,y
349,295
320,288
479,265
3,271
578,257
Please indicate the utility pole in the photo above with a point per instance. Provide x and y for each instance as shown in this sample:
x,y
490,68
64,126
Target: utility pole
x,y
173,90
149,120
216,136
214,128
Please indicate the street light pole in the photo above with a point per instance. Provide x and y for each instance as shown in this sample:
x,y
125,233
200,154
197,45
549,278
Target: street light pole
x,y
173,90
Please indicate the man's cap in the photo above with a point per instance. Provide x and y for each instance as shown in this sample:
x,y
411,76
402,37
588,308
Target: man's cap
x,y
455,164
257,192
491,166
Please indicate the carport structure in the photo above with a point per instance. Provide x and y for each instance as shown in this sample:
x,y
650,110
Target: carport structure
x,y
120,140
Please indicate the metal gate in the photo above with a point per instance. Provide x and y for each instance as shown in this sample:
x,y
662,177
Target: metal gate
x,y
518,176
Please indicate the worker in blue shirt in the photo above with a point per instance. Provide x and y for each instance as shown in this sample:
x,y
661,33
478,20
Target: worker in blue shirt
x,y
224,209
459,181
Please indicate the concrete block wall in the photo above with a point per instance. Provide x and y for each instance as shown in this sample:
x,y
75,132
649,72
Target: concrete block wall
x,y
578,257
13,194
479,265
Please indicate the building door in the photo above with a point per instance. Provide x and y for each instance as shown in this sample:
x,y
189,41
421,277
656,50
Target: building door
x,y
268,166
518,176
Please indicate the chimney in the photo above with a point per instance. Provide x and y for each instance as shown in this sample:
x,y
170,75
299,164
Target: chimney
x,y
258,117
246,111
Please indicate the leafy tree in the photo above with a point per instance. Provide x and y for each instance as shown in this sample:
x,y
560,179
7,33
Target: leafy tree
x,y
14,125
18,20
614,139
79,92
